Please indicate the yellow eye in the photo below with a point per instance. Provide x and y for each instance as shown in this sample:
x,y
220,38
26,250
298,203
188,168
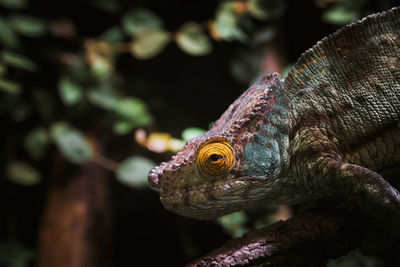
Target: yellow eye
x,y
216,159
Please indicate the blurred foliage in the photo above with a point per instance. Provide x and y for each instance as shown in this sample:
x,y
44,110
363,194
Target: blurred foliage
x,y
343,12
355,259
134,170
234,223
13,254
192,132
58,114
191,39
71,142
22,173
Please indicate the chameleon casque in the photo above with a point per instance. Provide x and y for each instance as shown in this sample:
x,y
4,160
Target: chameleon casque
x,y
327,129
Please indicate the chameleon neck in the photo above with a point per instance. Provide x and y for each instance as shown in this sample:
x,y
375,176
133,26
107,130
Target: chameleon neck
x,y
266,152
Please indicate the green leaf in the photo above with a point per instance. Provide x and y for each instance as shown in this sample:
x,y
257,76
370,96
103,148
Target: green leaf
x,y
78,71
123,127
74,147
112,35
10,86
28,25
36,142
13,254
101,69
227,23
13,4
340,14
7,35
131,107
266,9
234,223
134,170
70,92
22,173
139,20
230,32
58,129
149,44
110,6
191,39
71,143
18,61
133,113
191,132
175,145
355,259
3,70
103,96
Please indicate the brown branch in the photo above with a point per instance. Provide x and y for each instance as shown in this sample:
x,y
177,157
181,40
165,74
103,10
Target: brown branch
x,y
125,47
75,229
104,162
309,239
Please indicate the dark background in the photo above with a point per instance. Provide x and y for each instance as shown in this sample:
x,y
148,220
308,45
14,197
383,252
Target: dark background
x,y
179,90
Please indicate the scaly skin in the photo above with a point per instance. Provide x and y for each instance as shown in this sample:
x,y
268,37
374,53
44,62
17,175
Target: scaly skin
x,y
328,129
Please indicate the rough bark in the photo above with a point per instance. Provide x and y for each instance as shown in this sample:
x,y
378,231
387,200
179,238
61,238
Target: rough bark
x,y
308,239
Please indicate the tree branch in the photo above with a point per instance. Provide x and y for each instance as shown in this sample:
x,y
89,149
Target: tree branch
x,y
308,239
75,229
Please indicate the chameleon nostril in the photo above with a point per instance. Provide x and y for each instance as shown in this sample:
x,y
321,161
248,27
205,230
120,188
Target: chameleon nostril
x,y
153,178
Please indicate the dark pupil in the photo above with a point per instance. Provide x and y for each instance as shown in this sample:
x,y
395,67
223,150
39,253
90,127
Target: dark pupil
x,y
215,157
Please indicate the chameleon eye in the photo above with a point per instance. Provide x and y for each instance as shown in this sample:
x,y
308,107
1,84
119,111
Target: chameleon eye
x,y
215,159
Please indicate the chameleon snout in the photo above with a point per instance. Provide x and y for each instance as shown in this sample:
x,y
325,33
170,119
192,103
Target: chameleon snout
x,y
153,177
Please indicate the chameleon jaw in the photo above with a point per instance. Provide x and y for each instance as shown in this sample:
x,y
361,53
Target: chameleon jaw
x,y
211,200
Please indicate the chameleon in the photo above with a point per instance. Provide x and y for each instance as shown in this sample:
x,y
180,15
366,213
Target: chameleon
x,y
327,129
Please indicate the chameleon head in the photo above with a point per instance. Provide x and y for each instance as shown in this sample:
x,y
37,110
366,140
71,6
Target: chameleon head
x,y
229,167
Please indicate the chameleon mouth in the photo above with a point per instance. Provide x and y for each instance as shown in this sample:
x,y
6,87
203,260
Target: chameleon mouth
x,y
163,172
208,200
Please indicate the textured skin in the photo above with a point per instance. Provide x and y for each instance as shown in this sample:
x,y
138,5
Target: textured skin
x,y
306,240
328,129
256,120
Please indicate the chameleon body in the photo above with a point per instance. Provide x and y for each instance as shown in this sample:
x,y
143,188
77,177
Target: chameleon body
x,y
327,129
